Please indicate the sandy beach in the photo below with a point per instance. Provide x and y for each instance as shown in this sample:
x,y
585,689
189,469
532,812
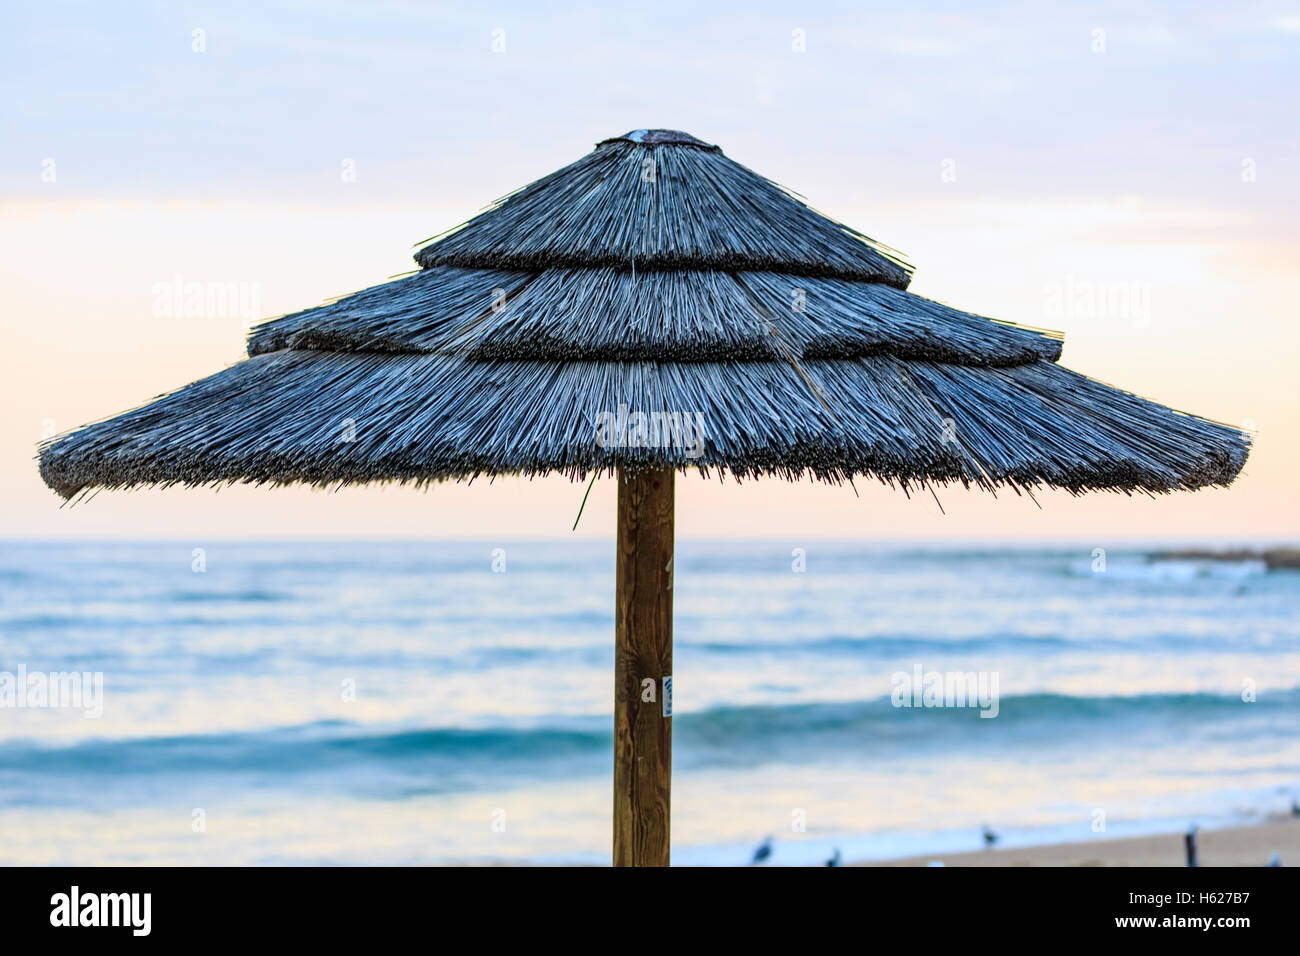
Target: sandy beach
x,y
1237,846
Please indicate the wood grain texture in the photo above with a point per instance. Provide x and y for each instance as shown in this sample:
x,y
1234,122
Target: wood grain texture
x,y
643,649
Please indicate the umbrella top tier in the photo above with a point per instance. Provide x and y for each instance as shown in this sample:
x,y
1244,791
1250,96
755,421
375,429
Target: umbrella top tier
x,y
652,304
661,199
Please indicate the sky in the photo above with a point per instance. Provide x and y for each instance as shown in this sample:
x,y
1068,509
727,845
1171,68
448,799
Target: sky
x,y
1128,174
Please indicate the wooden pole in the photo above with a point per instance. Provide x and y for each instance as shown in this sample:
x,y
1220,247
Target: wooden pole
x,y
643,667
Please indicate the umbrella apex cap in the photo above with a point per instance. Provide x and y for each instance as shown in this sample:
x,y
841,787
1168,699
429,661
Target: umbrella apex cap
x,y
658,137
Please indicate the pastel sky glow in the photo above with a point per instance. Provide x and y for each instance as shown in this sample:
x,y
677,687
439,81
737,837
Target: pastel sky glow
x,y
1128,174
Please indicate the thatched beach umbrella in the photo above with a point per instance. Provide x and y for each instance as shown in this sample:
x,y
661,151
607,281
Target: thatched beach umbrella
x,y
652,307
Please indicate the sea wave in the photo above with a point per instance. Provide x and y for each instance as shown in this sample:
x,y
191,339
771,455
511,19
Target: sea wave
x,y
721,736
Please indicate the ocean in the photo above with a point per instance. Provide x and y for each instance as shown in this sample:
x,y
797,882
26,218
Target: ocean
x,y
450,702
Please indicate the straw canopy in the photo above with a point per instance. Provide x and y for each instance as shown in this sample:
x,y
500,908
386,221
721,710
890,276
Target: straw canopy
x,y
654,304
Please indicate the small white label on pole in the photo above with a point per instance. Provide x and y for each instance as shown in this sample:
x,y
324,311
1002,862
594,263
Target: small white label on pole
x,y
668,697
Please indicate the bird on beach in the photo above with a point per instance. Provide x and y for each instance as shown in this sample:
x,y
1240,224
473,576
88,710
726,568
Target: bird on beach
x,y
763,852
990,838
1295,807
1189,842
835,859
